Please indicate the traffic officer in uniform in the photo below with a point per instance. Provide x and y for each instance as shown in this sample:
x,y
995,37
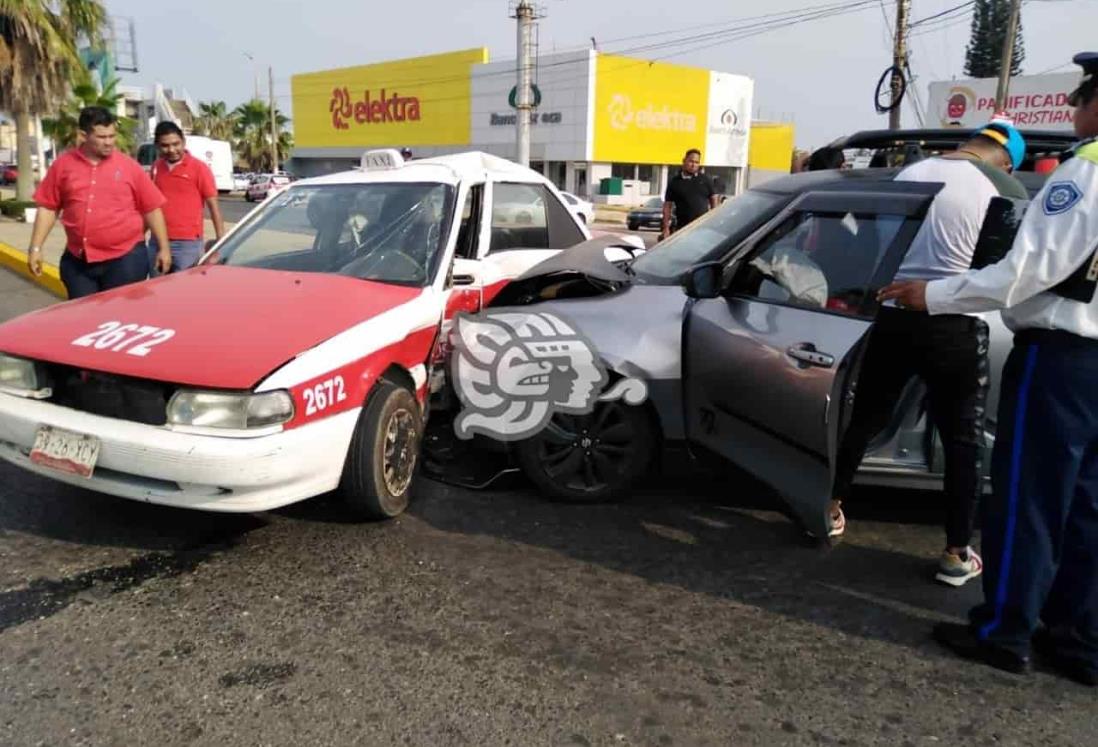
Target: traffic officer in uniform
x,y
1040,526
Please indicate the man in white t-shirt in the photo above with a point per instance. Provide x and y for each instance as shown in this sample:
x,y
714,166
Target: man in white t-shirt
x,y
948,352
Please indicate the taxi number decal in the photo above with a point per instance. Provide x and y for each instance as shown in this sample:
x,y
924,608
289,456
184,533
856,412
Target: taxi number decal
x,y
324,395
117,336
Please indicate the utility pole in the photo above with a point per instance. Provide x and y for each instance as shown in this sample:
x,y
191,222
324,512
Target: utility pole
x,y
1008,55
899,60
274,122
524,13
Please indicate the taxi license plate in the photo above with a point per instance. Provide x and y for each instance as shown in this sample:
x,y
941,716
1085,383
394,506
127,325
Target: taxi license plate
x,y
65,451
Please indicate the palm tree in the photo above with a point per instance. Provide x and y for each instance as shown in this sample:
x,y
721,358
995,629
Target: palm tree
x,y
214,120
62,129
252,133
38,55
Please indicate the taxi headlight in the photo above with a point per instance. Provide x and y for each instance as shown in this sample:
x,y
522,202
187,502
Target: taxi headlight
x,y
230,410
18,375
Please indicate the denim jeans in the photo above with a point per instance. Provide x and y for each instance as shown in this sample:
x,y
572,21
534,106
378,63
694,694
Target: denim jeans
x,y
185,253
82,278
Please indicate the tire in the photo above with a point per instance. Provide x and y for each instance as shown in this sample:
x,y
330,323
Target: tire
x,y
376,485
632,226
606,469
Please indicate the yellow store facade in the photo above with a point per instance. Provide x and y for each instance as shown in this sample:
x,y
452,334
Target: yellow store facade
x,y
599,117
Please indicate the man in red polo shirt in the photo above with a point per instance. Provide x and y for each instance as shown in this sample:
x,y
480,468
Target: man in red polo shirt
x,y
186,183
106,201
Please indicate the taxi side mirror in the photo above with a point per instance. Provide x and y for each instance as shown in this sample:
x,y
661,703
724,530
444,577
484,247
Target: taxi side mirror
x,y
703,281
464,272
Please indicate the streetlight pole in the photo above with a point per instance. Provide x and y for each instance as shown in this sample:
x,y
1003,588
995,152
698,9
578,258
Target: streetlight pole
x,y
255,74
274,121
1008,56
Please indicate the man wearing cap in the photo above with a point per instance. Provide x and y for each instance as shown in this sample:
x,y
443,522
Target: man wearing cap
x,y
949,353
1040,526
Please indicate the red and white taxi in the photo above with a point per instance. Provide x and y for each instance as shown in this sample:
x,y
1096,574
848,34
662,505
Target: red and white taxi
x,y
296,358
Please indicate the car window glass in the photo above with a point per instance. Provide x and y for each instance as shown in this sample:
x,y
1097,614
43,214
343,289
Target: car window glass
x,y
709,237
820,260
469,231
519,218
390,232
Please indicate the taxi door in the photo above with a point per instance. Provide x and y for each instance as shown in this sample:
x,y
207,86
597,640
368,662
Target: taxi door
x,y
774,335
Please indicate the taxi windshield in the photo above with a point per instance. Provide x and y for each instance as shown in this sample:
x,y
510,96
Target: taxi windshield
x,y
391,232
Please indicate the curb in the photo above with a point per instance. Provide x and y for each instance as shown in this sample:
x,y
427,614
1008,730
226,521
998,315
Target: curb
x,y
16,261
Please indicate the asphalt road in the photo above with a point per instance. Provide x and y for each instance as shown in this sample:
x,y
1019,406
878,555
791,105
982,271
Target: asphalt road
x,y
694,614
235,207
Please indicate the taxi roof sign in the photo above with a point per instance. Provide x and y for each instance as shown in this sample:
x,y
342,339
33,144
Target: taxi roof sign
x,y
381,160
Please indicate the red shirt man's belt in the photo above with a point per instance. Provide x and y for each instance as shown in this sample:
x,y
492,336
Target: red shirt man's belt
x,y
102,205
186,188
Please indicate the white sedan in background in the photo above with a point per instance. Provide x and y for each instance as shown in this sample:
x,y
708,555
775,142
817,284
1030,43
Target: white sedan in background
x,y
582,209
266,185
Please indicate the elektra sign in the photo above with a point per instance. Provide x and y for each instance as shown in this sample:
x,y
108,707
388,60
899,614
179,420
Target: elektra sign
x,y
383,109
623,116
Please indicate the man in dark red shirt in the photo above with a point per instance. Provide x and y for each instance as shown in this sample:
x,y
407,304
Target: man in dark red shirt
x,y
106,201
186,183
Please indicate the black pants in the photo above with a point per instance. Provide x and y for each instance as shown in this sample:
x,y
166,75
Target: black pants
x,y
1039,528
82,278
949,353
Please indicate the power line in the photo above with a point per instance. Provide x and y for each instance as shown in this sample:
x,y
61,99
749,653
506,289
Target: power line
x,y
948,11
690,43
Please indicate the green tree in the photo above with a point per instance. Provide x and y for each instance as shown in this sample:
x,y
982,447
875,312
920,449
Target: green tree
x,y
63,128
38,57
214,120
984,53
252,135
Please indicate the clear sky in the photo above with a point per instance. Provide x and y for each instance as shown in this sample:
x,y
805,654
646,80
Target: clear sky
x,y
819,74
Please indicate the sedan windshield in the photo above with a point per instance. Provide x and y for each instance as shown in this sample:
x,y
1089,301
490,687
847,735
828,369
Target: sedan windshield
x,y
708,238
388,232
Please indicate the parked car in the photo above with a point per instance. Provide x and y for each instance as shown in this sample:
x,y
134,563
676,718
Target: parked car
x,y
264,186
583,209
648,215
8,174
747,328
295,359
241,182
890,148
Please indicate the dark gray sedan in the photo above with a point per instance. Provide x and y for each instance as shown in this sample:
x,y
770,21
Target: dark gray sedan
x,y
748,328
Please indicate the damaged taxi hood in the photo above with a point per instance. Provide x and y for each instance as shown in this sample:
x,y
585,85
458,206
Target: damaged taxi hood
x,y
587,261
217,326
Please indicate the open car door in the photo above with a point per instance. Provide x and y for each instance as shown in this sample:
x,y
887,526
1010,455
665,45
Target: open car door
x,y
772,348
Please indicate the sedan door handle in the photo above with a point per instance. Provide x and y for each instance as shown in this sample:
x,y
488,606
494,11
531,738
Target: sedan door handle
x,y
807,354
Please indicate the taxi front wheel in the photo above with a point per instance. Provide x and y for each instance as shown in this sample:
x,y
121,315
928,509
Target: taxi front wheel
x,y
381,461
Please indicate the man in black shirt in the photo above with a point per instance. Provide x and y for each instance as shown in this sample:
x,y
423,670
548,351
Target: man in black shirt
x,y
691,193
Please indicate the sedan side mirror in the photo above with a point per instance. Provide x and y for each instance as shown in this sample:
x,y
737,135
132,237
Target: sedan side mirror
x,y
703,281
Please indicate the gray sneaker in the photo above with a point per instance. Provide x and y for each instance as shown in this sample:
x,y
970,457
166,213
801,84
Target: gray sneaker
x,y
955,570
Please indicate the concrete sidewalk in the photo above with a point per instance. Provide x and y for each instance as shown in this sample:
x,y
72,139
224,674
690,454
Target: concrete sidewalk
x,y
15,239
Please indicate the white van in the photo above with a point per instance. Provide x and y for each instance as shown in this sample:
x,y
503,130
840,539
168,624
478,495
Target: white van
x,y
218,155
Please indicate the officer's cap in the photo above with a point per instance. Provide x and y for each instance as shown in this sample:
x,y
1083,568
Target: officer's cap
x,y
1089,62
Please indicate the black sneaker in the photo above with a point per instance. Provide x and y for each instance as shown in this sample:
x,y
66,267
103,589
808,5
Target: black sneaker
x,y
962,641
1044,643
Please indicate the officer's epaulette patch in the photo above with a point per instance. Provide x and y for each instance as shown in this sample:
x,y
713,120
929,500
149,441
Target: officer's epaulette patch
x,y
1087,149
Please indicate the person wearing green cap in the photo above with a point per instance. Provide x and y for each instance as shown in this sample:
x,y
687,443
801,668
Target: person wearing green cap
x,y
948,353
1039,527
